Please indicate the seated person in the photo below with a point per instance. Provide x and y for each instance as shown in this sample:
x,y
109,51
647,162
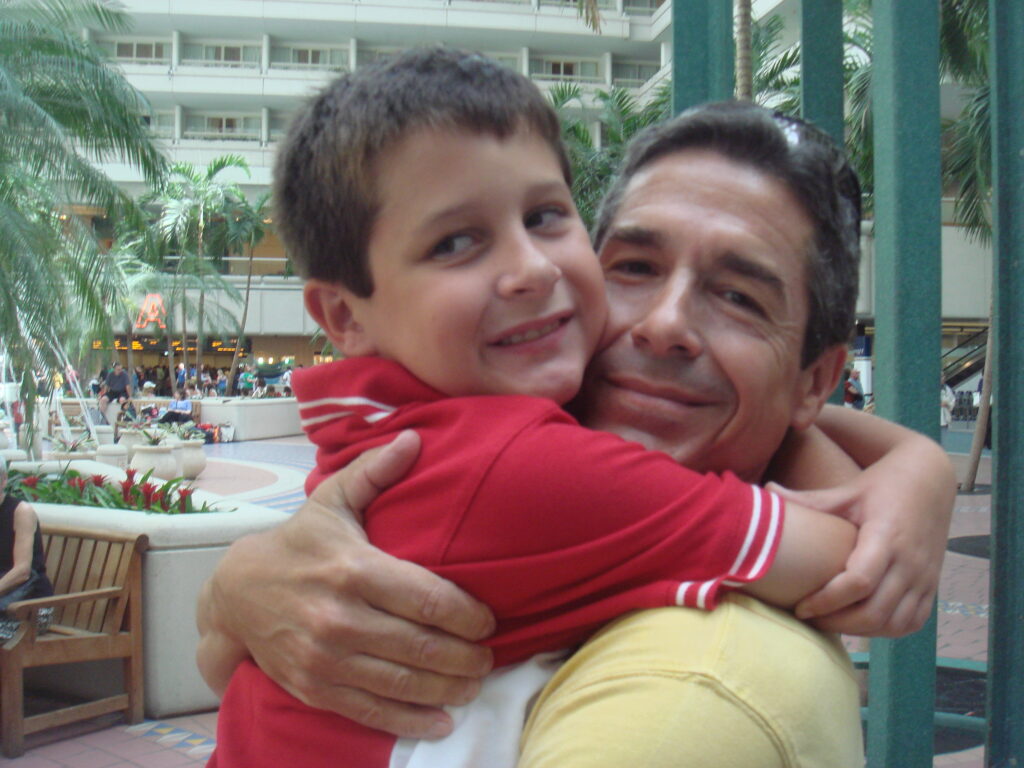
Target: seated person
x,y
116,388
22,563
358,641
179,410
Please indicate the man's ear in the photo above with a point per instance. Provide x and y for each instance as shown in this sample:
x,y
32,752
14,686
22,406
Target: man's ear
x,y
816,382
334,308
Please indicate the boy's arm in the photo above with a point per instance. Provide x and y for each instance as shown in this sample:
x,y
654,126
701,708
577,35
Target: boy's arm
x,y
902,504
812,550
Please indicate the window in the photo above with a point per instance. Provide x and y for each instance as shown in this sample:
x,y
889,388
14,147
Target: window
x,y
308,57
562,69
155,52
237,127
633,73
226,54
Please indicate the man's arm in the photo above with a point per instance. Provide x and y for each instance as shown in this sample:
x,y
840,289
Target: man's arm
x,y
339,624
902,504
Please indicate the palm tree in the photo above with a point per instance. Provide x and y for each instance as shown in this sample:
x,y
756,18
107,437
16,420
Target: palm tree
x,y
594,163
744,65
195,207
246,229
61,107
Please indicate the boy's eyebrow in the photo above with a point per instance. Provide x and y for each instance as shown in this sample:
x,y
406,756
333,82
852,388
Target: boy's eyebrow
x,y
460,208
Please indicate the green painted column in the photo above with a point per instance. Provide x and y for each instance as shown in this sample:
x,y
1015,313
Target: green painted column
x,y
821,79
907,329
1006,621
821,65
703,52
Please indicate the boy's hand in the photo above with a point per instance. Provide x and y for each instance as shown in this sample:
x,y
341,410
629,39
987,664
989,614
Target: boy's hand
x,y
892,574
343,626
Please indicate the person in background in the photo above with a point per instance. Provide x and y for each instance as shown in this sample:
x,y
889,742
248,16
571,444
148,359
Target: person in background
x,y
22,564
853,391
179,410
947,401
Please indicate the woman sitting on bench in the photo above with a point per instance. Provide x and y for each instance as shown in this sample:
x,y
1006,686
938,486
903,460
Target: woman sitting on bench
x,y
179,410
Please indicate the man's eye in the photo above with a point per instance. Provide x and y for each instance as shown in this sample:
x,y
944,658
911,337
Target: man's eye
x,y
452,245
543,217
742,300
632,267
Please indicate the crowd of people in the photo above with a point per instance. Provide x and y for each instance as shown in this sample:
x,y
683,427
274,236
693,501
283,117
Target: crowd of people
x,y
115,382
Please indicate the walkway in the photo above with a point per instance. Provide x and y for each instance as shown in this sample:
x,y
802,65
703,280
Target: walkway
x,y
271,472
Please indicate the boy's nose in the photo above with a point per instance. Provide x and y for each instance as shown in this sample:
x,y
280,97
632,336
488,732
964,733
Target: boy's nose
x,y
528,271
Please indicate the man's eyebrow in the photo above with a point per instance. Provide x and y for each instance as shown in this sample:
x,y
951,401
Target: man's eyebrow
x,y
753,269
642,236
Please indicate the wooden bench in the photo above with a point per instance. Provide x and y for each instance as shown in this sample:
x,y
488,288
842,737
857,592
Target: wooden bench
x,y
97,579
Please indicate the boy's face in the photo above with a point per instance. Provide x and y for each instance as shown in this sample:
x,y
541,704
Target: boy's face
x,y
484,278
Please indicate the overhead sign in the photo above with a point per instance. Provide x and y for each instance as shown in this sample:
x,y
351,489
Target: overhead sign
x,y
152,311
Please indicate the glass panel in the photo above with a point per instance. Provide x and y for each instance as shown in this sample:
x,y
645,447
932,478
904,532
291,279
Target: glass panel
x,y
144,50
588,68
161,51
125,50
232,53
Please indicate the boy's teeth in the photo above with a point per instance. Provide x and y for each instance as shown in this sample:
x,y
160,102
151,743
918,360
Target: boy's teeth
x,y
536,333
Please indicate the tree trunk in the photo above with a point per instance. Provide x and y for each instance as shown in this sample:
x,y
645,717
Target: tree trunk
x,y
241,329
744,65
130,355
980,426
199,337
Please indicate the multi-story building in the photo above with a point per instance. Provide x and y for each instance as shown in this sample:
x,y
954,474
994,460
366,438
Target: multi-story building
x,y
224,76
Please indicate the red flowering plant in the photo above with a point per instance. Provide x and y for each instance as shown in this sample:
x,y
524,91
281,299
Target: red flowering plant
x,y
142,493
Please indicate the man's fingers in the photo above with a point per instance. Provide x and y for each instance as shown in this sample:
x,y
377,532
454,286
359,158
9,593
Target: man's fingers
x,y
865,568
399,718
408,685
413,593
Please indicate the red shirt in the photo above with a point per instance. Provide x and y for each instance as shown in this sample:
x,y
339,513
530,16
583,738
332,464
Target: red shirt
x,y
557,528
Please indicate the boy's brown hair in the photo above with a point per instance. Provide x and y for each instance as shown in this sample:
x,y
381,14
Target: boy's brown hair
x,y
325,194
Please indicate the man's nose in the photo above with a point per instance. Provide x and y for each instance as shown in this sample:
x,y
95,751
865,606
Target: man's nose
x,y
527,270
670,326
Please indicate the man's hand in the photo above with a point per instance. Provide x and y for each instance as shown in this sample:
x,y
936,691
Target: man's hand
x,y
903,510
341,625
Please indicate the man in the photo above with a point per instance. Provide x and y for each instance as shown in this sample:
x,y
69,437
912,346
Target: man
x,y
729,248
117,390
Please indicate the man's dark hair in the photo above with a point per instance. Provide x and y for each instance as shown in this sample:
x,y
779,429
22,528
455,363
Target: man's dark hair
x,y
808,162
325,194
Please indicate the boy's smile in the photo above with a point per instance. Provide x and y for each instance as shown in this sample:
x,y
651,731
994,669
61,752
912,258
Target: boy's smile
x,y
484,278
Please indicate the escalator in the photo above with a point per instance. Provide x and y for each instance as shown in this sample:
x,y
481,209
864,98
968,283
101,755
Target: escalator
x,y
965,359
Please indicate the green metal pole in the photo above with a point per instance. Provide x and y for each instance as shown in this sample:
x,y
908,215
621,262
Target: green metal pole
x,y
1006,624
821,65
703,52
907,300
821,80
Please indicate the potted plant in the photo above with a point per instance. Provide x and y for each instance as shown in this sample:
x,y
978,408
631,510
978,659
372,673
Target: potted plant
x,y
77,447
153,454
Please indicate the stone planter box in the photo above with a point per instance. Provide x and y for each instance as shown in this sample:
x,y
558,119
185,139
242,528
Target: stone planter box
x,y
183,551
255,419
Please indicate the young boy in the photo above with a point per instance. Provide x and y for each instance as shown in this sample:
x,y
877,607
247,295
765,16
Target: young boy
x,y
427,203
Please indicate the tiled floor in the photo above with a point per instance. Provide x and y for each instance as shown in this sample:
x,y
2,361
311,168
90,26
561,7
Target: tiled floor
x,y
271,472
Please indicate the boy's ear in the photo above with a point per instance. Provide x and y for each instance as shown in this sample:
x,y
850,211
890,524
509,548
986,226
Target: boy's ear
x,y
817,381
331,305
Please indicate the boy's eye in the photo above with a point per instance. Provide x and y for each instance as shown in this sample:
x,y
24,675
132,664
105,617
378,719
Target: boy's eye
x,y
452,245
543,216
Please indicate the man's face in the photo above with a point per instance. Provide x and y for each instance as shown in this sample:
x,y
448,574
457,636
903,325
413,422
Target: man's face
x,y
705,270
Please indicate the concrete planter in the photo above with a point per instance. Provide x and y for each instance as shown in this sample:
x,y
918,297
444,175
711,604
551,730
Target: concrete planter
x,y
255,419
183,551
